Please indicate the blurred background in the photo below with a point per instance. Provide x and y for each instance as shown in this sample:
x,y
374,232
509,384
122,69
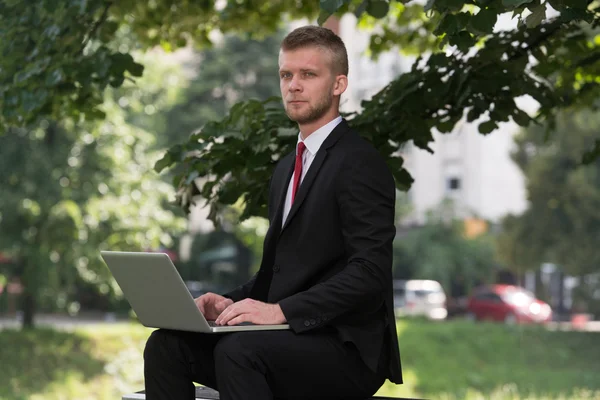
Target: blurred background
x,y
496,259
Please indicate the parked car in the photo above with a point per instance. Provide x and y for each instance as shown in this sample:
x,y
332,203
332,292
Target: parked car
x,y
419,298
507,303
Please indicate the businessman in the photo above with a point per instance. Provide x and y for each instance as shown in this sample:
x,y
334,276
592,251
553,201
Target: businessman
x,y
326,268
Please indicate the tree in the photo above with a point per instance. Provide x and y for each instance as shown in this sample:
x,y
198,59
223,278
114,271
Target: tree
x,y
440,251
233,70
562,222
478,83
63,57
69,192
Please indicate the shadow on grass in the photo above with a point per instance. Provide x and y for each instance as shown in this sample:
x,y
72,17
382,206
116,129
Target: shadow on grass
x,y
462,360
31,360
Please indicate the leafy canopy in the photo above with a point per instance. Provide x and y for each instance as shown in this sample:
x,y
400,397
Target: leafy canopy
x,y
64,54
562,223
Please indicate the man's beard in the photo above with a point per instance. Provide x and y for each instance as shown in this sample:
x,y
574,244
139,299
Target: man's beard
x,y
313,113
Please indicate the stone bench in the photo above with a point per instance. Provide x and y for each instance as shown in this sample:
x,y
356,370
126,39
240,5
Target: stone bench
x,y
204,393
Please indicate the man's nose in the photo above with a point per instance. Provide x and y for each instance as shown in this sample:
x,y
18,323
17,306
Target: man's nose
x,y
295,85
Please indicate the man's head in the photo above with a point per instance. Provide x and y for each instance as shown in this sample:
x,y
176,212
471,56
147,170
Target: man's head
x,y
313,70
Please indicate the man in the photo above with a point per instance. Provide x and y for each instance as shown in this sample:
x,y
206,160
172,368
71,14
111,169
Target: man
x,y
326,267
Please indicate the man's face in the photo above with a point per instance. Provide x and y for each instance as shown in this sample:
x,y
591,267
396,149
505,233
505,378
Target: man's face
x,y
307,84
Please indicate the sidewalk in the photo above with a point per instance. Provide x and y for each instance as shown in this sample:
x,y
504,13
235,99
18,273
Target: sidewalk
x,y
61,321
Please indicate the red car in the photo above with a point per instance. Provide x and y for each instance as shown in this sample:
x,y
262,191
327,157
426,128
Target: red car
x,y
507,303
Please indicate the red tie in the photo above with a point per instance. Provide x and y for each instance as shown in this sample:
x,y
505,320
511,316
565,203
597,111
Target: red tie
x,y
298,169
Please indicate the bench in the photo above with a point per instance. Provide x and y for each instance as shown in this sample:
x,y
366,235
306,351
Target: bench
x,y
205,393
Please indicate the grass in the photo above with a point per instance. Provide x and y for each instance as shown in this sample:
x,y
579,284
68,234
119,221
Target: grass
x,y
462,360
102,362
445,361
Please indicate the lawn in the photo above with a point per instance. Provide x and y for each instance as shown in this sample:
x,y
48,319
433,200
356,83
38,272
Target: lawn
x,y
451,360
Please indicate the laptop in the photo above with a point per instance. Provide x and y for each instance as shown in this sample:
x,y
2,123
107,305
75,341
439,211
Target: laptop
x,y
154,289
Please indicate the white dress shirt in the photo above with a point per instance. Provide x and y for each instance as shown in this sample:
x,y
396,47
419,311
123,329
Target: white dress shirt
x,y
313,143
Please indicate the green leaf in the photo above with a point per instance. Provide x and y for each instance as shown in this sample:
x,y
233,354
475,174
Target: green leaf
x,y
483,22
520,117
331,6
121,62
449,5
378,8
361,8
135,69
463,40
429,5
95,113
164,162
487,127
474,113
448,25
403,179
55,77
323,15
514,3
576,14
592,155
446,127
581,4
538,14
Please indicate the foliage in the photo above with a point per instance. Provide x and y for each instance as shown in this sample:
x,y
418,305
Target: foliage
x,y
221,76
64,54
81,189
255,132
147,102
477,79
487,360
562,222
439,250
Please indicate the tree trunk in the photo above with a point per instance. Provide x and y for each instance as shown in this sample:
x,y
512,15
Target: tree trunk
x,y
29,308
30,282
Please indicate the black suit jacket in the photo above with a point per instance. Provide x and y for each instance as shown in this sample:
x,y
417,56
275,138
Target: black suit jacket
x,y
330,265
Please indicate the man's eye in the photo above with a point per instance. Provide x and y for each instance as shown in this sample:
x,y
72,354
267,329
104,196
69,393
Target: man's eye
x,y
285,76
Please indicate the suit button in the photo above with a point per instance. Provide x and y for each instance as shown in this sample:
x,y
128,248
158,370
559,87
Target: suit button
x,y
275,268
318,320
306,323
313,322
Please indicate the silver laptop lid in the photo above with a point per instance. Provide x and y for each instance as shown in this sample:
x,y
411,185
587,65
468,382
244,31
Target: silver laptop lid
x,y
155,290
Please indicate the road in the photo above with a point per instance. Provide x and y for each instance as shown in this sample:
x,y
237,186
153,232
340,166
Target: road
x,y
63,321
591,326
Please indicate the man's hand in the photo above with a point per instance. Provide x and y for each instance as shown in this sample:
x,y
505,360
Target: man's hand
x,y
211,305
249,310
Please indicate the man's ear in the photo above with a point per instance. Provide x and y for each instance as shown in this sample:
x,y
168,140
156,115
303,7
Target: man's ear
x,y
341,84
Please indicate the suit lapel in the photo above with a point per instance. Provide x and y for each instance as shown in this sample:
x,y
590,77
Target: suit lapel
x,y
282,192
313,170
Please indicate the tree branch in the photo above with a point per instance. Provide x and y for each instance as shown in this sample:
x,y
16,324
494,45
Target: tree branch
x,y
592,59
96,25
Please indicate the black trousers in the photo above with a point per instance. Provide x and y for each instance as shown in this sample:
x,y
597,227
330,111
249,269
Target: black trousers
x,y
255,365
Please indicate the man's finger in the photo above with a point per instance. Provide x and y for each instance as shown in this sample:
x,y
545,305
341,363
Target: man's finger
x,y
200,305
223,304
232,311
226,315
241,318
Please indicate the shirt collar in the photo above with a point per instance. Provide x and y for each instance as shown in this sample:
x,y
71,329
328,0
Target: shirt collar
x,y
314,141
